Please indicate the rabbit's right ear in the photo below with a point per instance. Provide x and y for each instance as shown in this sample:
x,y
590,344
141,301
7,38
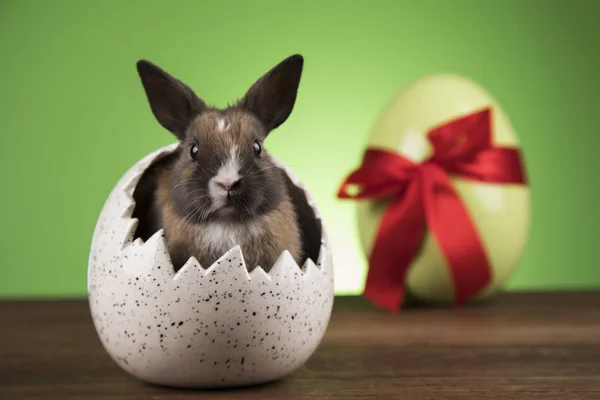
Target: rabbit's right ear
x,y
173,103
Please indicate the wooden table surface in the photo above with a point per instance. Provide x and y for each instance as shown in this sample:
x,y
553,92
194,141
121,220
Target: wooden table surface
x,y
520,346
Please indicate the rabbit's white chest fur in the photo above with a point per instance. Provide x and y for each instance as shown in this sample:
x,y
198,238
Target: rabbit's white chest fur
x,y
221,236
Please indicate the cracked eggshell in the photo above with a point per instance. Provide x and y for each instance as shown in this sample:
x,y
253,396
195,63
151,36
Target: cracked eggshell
x,y
200,328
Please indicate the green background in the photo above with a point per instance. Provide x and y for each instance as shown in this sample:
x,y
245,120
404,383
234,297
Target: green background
x,y
73,116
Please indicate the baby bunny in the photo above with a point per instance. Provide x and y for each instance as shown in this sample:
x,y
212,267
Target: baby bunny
x,y
220,187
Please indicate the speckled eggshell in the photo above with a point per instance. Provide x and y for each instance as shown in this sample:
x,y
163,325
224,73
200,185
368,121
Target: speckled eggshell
x,y
201,328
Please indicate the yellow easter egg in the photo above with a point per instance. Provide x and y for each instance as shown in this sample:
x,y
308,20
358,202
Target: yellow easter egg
x,y
500,212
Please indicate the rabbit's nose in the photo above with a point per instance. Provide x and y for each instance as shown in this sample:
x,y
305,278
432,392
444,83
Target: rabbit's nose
x,y
229,185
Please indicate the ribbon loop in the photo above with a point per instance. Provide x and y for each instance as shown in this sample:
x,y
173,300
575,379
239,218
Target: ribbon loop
x,y
461,139
386,173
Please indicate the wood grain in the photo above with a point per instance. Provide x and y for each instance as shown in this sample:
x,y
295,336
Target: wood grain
x,y
520,346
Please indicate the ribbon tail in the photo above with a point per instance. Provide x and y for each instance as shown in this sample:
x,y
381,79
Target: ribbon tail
x,y
398,239
451,225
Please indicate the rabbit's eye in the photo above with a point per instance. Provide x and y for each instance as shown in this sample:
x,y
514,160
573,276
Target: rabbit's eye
x,y
257,148
194,151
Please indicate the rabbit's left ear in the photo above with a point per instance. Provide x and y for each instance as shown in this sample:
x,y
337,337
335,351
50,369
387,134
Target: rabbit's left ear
x,y
173,103
271,99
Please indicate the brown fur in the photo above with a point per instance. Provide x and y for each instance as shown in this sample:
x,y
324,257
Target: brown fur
x,y
277,230
186,200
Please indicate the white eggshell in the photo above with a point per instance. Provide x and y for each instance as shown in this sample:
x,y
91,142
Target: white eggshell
x,y
214,327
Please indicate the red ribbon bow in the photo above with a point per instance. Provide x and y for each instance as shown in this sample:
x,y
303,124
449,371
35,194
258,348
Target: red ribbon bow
x,y
423,196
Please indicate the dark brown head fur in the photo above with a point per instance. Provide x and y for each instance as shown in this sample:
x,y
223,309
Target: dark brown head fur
x,y
221,136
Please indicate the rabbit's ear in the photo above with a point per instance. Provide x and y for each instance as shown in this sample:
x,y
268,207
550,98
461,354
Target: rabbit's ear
x,y
272,97
173,103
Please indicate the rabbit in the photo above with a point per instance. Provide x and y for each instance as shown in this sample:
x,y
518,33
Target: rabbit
x,y
220,187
